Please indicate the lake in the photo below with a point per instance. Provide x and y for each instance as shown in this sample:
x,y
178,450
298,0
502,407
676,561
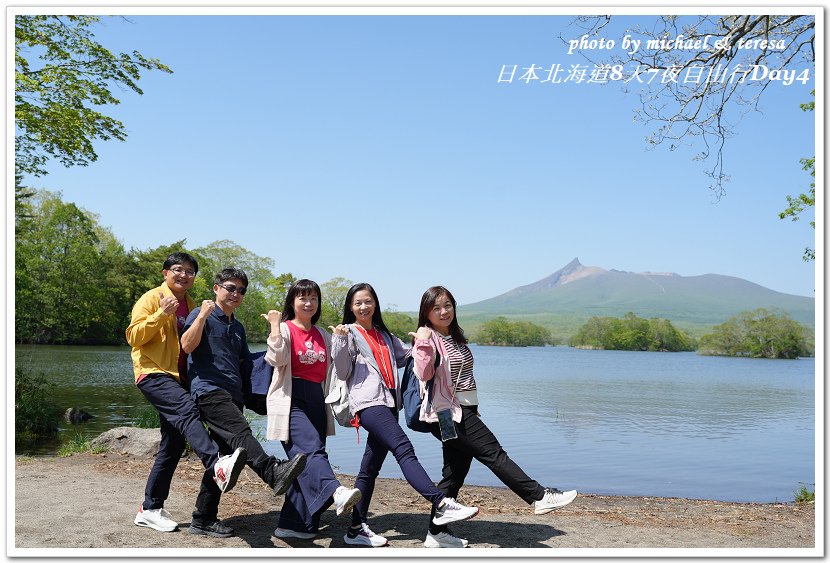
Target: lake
x,y
605,422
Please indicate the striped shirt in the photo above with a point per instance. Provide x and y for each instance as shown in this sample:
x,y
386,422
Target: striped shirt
x,y
461,365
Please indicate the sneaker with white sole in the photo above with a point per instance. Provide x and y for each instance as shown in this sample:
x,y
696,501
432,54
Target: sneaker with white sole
x,y
444,539
364,536
450,511
553,499
345,499
285,533
227,468
156,518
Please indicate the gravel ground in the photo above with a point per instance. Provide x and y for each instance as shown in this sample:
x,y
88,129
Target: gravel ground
x,y
50,493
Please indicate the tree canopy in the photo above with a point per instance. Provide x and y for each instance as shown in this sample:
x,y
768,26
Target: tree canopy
x,y
61,75
502,332
631,333
758,334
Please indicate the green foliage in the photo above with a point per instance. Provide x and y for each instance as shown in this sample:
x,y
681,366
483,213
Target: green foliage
x,y
803,494
501,332
265,291
802,202
69,285
78,444
631,333
35,413
400,324
146,416
334,296
61,74
757,334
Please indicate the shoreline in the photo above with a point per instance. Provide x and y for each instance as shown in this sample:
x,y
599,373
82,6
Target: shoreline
x,y
109,488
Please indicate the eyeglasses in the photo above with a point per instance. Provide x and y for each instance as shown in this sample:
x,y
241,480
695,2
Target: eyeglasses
x,y
233,289
448,308
180,272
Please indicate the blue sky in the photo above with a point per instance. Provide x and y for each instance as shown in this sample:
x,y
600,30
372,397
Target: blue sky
x,y
383,149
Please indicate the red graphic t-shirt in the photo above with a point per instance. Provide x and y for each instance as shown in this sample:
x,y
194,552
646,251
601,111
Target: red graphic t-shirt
x,y
308,353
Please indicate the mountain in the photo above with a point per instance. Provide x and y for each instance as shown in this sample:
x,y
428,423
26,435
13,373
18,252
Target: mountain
x,y
567,298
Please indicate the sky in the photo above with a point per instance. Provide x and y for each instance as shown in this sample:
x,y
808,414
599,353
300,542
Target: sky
x,y
383,148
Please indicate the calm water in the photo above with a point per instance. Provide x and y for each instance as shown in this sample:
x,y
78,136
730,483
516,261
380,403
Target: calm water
x,y
622,423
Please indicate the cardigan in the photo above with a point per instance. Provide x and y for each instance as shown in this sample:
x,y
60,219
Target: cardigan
x,y
278,399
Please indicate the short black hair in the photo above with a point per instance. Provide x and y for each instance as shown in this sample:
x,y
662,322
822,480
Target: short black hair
x,y
180,258
302,287
227,274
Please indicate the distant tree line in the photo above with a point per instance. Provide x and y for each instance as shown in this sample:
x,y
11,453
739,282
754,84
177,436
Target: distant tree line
x,y
75,283
502,332
631,333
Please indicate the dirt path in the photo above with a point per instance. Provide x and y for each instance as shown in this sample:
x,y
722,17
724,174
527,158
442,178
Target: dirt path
x,y
106,489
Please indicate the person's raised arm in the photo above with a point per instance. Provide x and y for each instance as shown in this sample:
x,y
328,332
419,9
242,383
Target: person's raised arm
x,y
277,354
341,356
423,354
148,317
192,335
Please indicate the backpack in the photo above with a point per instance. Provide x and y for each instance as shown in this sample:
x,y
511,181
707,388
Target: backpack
x,y
338,402
411,396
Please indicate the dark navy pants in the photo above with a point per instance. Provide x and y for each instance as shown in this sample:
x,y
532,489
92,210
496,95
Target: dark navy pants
x,y
179,423
386,435
311,493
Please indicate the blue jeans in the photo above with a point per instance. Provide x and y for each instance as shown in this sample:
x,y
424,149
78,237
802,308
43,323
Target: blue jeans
x,y
311,493
179,422
385,435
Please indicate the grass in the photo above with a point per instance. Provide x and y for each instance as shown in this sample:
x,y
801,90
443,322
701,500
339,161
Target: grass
x,y
803,494
78,444
36,415
146,417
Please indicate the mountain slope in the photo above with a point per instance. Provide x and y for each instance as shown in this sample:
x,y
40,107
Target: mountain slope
x,y
576,292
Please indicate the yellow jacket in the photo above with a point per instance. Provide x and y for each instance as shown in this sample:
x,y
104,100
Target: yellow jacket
x,y
154,336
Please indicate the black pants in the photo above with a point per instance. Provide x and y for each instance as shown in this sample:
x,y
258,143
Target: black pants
x,y
229,428
476,441
179,422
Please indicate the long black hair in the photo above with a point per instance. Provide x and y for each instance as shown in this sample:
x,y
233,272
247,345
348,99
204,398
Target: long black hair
x,y
302,287
428,300
348,314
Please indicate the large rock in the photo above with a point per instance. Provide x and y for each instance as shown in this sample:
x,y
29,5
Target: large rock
x,y
142,442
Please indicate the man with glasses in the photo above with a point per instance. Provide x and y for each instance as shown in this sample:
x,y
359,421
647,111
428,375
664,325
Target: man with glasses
x,y
216,342
159,365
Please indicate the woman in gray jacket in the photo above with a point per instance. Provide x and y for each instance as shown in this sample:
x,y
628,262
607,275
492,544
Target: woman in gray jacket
x,y
366,356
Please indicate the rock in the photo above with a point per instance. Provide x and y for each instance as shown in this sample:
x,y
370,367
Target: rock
x,y
74,415
142,442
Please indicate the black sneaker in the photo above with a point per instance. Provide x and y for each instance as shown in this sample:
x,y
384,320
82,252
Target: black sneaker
x,y
285,471
215,529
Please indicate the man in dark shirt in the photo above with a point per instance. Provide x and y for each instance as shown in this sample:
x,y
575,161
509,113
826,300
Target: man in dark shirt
x,y
216,342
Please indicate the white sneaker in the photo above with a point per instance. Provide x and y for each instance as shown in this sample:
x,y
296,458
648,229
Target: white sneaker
x,y
364,536
444,539
227,468
450,511
345,499
553,499
157,519
284,533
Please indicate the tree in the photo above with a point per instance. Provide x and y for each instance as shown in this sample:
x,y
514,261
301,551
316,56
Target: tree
x,y
725,51
265,291
757,334
501,332
800,203
334,297
631,333
61,75
66,286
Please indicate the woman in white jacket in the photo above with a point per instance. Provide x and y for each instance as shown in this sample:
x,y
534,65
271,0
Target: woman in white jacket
x,y
297,413
454,389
